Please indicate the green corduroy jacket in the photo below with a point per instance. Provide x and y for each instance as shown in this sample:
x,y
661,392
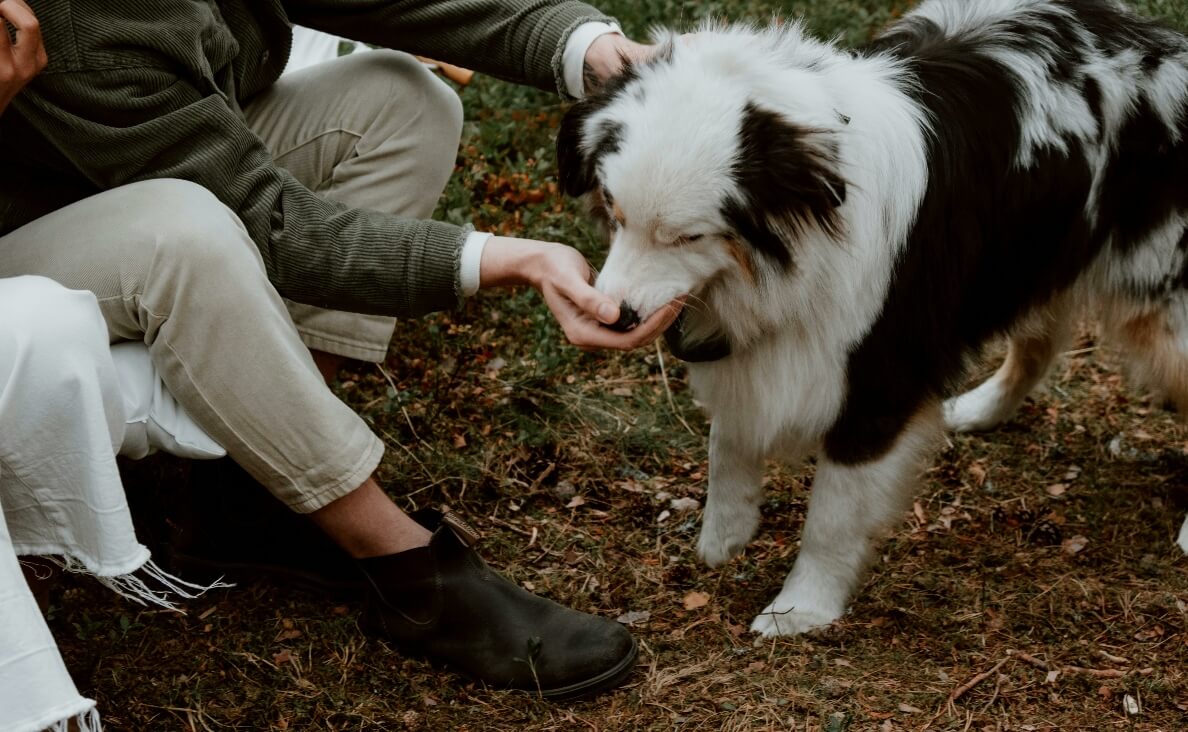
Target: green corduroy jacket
x,y
143,89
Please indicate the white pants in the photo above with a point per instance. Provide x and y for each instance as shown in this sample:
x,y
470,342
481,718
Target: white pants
x,y
63,418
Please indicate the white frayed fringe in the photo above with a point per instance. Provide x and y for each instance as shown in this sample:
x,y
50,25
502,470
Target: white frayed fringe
x,y
134,588
87,721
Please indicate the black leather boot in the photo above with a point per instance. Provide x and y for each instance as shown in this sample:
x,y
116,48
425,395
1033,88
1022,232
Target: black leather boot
x,y
442,601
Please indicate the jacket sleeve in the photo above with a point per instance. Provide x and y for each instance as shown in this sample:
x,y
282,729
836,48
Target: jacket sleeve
x,y
123,125
516,40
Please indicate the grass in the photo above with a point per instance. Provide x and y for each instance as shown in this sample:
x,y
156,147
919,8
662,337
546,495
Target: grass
x,y
570,463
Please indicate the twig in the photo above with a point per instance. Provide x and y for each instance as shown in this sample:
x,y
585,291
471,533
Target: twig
x,y
1042,665
1104,673
668,391
1111,657
961,690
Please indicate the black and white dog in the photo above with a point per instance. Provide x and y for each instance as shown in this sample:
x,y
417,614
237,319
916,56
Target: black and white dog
x,y
851,226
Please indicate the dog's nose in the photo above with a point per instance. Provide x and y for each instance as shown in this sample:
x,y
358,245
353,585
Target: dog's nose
x,y
628,318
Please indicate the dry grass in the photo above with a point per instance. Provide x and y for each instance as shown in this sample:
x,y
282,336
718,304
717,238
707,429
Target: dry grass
x,y
979,616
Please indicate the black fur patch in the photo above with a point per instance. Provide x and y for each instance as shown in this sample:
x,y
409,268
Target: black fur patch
x,y
578,169
991,241
784,174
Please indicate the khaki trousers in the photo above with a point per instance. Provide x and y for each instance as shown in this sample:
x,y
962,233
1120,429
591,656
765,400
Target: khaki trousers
x,y
172,266
373,130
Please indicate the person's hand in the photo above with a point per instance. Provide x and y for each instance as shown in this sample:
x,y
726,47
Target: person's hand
x,y
24,59
562,276
604,58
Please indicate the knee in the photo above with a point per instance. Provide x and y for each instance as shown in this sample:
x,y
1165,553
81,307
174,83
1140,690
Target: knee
x,y
412,100
191,229
47,324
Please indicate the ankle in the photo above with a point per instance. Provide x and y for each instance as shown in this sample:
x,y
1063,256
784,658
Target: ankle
x,y
365,523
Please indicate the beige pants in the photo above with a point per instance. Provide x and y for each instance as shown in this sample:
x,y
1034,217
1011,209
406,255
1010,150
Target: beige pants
x,y
374,130
173,267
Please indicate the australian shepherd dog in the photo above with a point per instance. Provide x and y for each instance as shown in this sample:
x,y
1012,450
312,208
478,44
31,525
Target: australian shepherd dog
x,y
852,226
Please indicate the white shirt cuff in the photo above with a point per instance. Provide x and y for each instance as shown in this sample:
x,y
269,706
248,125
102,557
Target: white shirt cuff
x,y
573,59
470,264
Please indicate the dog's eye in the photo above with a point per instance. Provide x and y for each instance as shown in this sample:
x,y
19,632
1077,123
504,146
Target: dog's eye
x,y
682,240
694,237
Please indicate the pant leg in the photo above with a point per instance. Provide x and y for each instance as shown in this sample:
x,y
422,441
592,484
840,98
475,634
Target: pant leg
x,y
174,268
374,130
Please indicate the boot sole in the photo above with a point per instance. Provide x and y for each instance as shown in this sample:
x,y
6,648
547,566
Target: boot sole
x,y
603,682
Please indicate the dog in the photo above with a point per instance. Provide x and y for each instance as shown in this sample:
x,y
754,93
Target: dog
x,y
852,226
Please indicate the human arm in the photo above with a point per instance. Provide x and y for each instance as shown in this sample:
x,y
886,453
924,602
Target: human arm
x,y
117,126
517,40
24,59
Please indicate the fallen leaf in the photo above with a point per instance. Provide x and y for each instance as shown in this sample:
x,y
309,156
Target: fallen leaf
x,y
282,657
1074,545
459,441
663,516
1052,676
575,502
696,599
979,474
635,616
909,709
756,666
1130,705
290,634
1057,489
1150,634
681,505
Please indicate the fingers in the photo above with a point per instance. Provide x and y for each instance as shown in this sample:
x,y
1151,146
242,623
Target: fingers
x,y
576,286
26,57
586,333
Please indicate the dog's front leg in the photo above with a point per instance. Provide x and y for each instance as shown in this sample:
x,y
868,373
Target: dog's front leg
x,y
735,492
849,509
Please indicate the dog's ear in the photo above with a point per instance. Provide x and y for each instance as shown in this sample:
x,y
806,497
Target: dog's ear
x,y
788,173
579,149
575,169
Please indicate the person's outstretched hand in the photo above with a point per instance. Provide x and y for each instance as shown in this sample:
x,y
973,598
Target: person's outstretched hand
x,y
23,59
562,276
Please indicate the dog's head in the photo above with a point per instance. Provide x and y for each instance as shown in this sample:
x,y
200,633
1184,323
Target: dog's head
x,y
705,165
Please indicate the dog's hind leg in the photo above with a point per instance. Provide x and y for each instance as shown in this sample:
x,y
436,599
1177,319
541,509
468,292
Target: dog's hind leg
x,y
735,492
1183,540
1032,347
1154,343
850,507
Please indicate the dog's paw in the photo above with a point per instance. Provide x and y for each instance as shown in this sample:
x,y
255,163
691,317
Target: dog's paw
x,y
976,411
777,619
725,534
716,549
